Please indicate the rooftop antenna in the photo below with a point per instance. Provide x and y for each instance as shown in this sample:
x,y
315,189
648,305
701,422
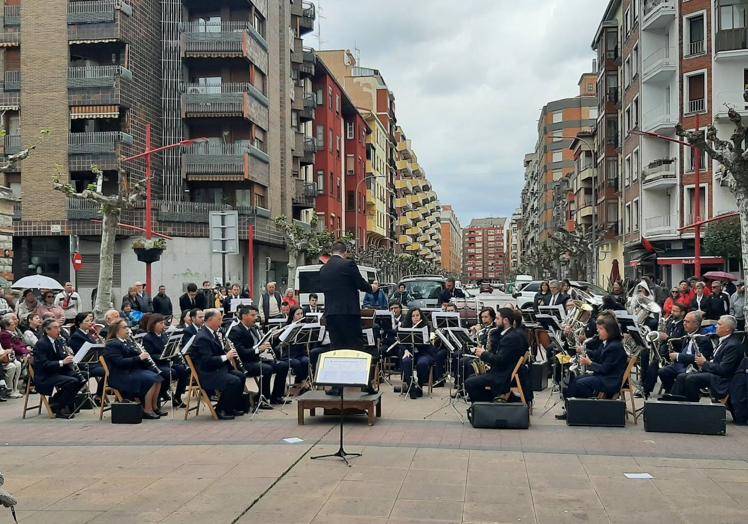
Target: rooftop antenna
x,y
320,17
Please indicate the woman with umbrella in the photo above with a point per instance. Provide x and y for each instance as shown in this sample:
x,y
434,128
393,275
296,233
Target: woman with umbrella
x,y
48,308
27,304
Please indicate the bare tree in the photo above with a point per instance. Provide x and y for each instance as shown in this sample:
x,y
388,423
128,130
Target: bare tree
x,y
111,207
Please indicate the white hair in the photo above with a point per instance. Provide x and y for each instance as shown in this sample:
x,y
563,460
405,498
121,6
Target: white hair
x,y
730,321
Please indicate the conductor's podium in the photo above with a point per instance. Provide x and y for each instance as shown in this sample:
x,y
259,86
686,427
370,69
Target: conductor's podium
x,y
354,403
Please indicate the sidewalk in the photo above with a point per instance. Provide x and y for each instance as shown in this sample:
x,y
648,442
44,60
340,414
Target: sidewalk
x,y
412,470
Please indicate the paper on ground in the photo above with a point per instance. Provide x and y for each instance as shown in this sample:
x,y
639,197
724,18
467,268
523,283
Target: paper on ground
x,y
292,440
638,476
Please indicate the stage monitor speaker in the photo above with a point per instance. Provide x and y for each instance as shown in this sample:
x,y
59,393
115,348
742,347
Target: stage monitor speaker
x,y
684,417
499,415
595,412
539,376
127,413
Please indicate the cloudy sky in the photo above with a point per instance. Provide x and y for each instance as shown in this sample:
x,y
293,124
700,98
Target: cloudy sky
x,y
470,78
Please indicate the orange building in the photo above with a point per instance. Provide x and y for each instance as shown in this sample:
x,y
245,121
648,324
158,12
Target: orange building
x,y
451,241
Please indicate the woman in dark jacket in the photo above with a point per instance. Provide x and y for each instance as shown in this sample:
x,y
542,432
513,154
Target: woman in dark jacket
x,y
81,333
154,343
422,355
543,296
299,358
130,371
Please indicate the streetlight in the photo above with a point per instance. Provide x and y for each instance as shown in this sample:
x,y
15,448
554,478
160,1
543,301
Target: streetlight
x,y
355,224
594,207
148,154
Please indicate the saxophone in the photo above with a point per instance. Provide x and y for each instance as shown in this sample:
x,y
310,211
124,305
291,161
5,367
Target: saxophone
x,y
479,367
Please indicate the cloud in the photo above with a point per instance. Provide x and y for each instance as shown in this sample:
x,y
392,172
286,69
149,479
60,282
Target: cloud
x,y
469,80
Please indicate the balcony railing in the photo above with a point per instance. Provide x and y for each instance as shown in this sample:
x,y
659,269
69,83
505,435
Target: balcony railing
x,y
214,104
695,48
657,222
12,144
97,76
311,146
225,37
650,6
732,40
305,194
696,106
308,15
10,38
12,15
664,57
96,11
611,94
12,81
97,142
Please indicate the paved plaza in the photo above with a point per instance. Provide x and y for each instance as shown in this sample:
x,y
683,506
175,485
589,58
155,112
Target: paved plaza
x,y
412,470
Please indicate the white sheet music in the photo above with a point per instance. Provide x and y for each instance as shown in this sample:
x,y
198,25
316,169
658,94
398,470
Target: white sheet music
x,y
344,371
188,345
237,302
369,332
78,358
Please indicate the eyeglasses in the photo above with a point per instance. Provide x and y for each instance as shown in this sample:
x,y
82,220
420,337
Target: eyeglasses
x,y
674,291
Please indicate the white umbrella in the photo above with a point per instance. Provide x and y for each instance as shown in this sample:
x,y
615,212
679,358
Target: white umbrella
x,y
36,282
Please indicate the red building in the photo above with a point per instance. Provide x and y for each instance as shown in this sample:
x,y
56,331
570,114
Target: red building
x,y
340,161
483,249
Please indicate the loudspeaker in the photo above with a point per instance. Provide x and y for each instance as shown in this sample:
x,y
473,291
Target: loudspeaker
x,y
499,415
595,412
684,417
127,413
539,376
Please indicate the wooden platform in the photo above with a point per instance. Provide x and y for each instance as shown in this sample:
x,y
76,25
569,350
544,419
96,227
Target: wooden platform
x,y
354,403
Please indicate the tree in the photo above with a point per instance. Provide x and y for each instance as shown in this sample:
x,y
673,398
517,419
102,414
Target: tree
x,y
301,239
111,207
722,238
732,155
578,245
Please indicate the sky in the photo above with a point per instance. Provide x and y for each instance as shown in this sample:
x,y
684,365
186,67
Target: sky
x,y
470,78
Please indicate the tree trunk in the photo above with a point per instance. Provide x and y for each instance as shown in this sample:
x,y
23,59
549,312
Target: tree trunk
x,y
742,203
106,262
293,263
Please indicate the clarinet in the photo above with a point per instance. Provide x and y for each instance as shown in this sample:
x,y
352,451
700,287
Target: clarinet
x,y
226,343
73,365
136,345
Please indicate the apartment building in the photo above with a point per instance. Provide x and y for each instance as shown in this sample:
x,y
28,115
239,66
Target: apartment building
x,y
219,70
451,241
531,203
483,250
515,242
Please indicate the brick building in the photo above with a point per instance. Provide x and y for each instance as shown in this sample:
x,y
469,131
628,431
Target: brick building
x,y
483,249
451,241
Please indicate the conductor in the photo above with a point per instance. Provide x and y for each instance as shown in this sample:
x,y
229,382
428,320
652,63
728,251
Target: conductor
x,y
341,281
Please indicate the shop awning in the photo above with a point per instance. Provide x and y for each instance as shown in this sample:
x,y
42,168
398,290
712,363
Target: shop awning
x,y
86,112
677,261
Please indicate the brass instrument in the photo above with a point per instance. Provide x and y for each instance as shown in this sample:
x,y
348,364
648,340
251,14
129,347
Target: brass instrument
x,y
480,367
236,362
576,322
140,350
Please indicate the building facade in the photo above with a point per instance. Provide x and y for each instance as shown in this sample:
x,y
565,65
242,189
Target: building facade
x,y
451,241
483,250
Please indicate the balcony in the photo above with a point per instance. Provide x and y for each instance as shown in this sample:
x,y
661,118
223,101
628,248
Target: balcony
x,y
97,142
403,167
404,148
305,194
659,120
11,144
12,15
724,100
660,66
310,148
658,14
225,39
306,21
96,20
98,85
660,175
241,100
611,95
10,39
697,105
659,225
731,44
12,81
694,48
306,67
309,105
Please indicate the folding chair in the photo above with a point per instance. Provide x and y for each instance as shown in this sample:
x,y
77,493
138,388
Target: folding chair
x,y
30,390
517,389
107,390
194,389
626,388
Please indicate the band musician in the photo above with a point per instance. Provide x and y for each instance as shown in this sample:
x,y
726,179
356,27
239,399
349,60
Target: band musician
x,y
214,369
608,363
684,350
511,345
53,368
246,335
192,327
487,325
716,373
423,356
83,332
674,329
154,343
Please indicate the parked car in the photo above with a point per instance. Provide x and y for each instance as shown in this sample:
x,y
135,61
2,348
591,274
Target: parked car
x,y
579,290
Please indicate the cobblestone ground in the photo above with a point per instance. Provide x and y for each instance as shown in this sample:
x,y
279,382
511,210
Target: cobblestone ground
x,y
412,470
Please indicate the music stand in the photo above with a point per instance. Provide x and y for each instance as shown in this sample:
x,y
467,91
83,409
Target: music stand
x,y
236,303
170,353
558,311
286,336
306,336
443,319
339,369
412,338
453,346
88,354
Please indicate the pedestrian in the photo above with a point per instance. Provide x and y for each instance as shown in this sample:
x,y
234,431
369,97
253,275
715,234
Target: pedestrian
x,y
191,299
145,304
27,304
69,300
376,299
737,305
618,292
162,303
401,296
209,297
270,302
449,292
290,298
48,308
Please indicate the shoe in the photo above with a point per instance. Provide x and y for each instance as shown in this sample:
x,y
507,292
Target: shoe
x,y
64,414
638,394
161,413
178,403
222,415
165,397
265,405
413,393
4,392
276,400
239,412
369,390
150,416
561,416
419,390
15,394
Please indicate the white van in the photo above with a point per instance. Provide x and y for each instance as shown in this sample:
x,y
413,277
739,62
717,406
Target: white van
x,y
307,281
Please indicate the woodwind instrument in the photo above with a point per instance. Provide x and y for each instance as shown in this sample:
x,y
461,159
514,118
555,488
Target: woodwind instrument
x,y
76,369
236,361
139,348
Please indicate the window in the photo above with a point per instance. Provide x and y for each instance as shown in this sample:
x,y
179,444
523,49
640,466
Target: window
x,y
332,184
320,182
635,165
627,218
627,171
558,117
627,121
558,156
627,21
696,93
593,113
320,136
694,41
627,72
350,130
558,136
337,103
635,61
558,175
636,10
320,97
635,215
330,135
731,16
689,204
329,97
635,113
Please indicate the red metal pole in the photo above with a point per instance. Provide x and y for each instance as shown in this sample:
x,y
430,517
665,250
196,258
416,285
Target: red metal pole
x,y
148,203
251,241
697,207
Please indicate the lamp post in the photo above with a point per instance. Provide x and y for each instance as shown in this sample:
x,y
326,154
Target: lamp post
x,y
148,154
358,185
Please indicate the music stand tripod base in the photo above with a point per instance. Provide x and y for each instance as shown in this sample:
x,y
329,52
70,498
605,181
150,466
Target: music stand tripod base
x,y
341,452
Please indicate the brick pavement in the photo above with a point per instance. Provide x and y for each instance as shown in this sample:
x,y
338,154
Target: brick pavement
x,y
412,470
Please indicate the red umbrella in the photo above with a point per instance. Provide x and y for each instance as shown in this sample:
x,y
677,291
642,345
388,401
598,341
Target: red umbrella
x,y
615,273
719,275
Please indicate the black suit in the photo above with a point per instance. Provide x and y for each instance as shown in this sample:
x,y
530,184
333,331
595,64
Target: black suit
x,y
155,345
718,305
673,329
127,372
77,339
308,309
703,304
508,349
340,280
424,357
557,300
446,295
216,372
244,340
186,303
187,333
145,304
50,374
608,365
715,374
686,354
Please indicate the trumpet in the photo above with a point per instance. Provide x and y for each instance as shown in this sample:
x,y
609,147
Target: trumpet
x,y
140,350
236,362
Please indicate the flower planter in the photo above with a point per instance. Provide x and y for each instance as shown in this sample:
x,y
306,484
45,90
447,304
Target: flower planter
x,y
148,255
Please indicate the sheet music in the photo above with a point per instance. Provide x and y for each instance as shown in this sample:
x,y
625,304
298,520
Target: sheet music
x,y
83,351
237,302
290,329
322,334
188,345
231,326
445,339
343,371
444,319
369,332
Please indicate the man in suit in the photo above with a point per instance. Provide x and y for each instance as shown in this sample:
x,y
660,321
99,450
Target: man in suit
x,y
673,329
449,292
608,364
245,335
53,369
197,319
215,370
162,303
208,296
688,349
716,373
270,302
502,356
234,294
145,304
719,302
341,281
557,298
192,299
312,307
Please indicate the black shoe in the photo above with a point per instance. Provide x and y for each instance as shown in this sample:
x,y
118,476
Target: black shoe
x,y
150,416
224,416
561,416
276,400
64,414
413,393
162,413
239,412
369,390
165,397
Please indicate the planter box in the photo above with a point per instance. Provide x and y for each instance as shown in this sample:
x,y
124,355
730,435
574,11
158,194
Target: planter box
x,y
148,255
